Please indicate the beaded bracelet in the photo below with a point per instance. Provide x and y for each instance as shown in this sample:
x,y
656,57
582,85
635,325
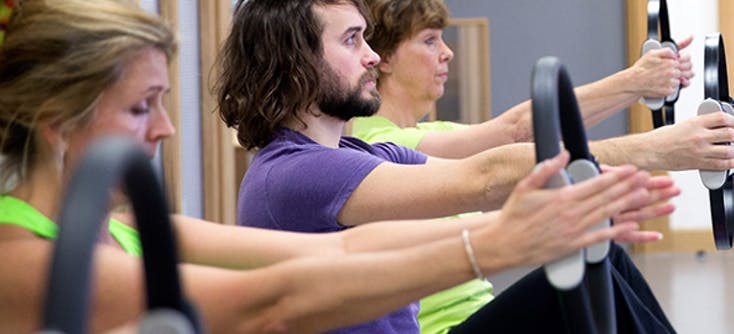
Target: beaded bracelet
x,y
470,254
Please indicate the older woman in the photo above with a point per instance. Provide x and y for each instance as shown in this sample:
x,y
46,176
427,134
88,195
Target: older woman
x,y
408,37
412,73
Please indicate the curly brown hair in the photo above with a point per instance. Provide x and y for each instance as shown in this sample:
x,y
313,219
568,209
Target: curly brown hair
x,y
270,65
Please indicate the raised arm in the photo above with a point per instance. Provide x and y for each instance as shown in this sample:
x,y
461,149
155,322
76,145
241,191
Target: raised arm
x,y
317,293
654,74
690,144
482,182
213,244
240,247
657,73
440,187
306,295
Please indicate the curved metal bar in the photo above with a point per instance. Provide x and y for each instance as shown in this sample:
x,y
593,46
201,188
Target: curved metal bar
x,y
719,183
555,114
715,78
658,36
658,22
84,208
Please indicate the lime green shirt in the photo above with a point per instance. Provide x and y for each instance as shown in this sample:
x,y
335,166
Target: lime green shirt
x,y
377,129
443,310
17,212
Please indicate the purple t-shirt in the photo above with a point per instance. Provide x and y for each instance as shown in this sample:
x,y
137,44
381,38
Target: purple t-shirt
x,y
296,184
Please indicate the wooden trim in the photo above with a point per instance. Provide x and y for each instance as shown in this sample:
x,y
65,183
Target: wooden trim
x,y
487,69
483,72
692,241
640,119
470,21
171,148
219,185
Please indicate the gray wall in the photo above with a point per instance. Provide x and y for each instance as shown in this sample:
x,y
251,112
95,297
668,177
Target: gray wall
x,y
190,128
587,35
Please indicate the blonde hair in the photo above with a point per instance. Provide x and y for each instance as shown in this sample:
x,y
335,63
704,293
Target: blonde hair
x,y
57,59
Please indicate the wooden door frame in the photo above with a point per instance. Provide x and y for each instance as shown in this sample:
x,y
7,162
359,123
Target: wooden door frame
x,y
171,147
219,181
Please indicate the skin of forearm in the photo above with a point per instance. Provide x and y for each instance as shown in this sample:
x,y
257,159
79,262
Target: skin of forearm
x,y
470,140
602,98
238,247
391,235
302,295
499,170
629,149
247,248
483,181
361,287
597,101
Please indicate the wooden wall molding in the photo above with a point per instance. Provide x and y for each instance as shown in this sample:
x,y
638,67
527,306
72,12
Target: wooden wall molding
x,y
171,147
640,119
219,180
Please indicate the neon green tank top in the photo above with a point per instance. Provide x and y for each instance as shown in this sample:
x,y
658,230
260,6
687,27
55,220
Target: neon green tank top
x,y
17,212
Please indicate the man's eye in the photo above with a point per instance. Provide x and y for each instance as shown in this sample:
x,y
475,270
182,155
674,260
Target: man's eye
x,y
351,40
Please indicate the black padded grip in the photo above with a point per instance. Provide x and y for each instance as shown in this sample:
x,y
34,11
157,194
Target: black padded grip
x,y
657,17
658,29
106,164
556,116
556,113
715,78
716,86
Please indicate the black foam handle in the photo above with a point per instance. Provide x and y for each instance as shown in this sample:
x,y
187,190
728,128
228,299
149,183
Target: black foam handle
x,y
716,86
715,78
555,111
84,208
658,28
721,203
658,21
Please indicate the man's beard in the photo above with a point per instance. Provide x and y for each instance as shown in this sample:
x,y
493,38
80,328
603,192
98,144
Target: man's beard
x,y
345,103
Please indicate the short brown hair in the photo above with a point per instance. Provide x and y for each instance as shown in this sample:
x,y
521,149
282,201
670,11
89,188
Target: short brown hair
x,y
394,21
